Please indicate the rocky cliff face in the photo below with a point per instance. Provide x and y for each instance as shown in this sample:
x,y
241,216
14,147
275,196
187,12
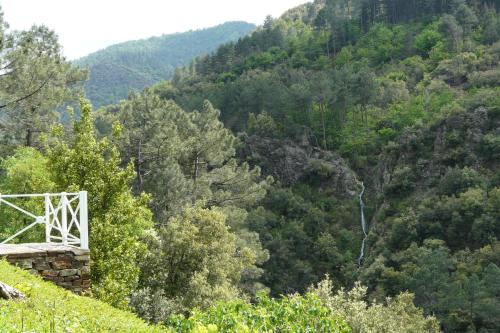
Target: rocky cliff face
x,y
423,155
412,165
289,163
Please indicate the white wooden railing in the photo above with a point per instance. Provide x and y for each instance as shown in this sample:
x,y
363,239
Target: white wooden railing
x,y
65,217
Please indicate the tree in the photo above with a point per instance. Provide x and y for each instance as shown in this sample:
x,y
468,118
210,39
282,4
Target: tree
x,y
321,86
188,159
26,171
491,25
467,18
150,127
365,87
343,92
427,40
262,125
195,261
448,26
119,221
36,80
491,285
473,299
184,158
210,145
427,274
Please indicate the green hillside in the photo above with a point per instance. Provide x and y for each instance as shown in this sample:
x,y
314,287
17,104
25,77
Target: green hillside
x,y
52,309
407,94
335,170
121,68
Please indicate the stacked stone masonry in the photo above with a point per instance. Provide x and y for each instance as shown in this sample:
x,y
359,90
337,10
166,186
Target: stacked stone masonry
x,y
66,266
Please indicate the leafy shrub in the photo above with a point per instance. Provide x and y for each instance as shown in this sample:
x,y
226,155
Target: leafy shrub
x,y
262,125
193,262
24,172
490,146
319,169
489,78
288,314
398,315
402,182
427,39
457,180
153,305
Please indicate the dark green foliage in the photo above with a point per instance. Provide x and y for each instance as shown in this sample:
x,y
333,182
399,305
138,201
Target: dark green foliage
x,y
402,182
406,91
490,146
456,181
460,289
308,236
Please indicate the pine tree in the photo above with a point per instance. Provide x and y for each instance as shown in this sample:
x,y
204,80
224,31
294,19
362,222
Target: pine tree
x,y
37,80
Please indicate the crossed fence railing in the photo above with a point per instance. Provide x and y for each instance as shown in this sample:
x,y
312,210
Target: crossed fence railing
x,y
65,217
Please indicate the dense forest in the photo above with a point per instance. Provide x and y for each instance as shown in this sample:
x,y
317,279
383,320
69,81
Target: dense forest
x,y
336,170
118,69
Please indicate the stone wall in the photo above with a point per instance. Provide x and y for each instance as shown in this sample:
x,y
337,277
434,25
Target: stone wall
x,y
66,266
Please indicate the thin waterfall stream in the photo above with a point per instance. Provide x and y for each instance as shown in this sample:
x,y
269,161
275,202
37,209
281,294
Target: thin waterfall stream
x,y
364,225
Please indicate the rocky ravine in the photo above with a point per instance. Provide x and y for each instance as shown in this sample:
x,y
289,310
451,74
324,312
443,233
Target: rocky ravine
x,y
289,162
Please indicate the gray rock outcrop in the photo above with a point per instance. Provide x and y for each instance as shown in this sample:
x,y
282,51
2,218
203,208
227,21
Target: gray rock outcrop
x,y
289,162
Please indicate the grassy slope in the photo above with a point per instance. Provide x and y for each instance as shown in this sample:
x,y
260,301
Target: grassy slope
x,y
47,304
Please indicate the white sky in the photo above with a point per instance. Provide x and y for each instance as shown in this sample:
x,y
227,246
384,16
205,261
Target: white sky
x,y
85,26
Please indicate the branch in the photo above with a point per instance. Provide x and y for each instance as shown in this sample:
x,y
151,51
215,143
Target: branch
x,y
30,94
8,65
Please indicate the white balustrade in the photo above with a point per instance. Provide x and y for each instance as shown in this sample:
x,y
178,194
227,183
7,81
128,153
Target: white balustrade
x,y
65,217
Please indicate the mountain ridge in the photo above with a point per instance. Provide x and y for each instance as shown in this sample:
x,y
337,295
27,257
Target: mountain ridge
x,y
132,65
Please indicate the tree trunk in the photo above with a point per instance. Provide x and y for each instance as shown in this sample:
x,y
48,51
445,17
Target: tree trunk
x,y
139,164
322,109
7,292
29,138
195,176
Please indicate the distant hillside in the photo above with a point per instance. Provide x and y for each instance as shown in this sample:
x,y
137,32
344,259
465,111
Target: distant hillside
x,y
117,69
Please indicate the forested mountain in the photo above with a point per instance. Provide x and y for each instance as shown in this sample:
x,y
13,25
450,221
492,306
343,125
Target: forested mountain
x,y
402,96
346,154
121,68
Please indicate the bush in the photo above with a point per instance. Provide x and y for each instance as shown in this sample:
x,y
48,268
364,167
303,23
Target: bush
x,y
398,315
427,39
490,146
402,183
24,172
262,125
288,314
193,263
458,180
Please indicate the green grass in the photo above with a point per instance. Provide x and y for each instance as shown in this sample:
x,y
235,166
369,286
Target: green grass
x,y
52,309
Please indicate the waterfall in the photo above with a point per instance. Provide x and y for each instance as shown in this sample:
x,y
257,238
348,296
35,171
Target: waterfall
x,y
364,226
